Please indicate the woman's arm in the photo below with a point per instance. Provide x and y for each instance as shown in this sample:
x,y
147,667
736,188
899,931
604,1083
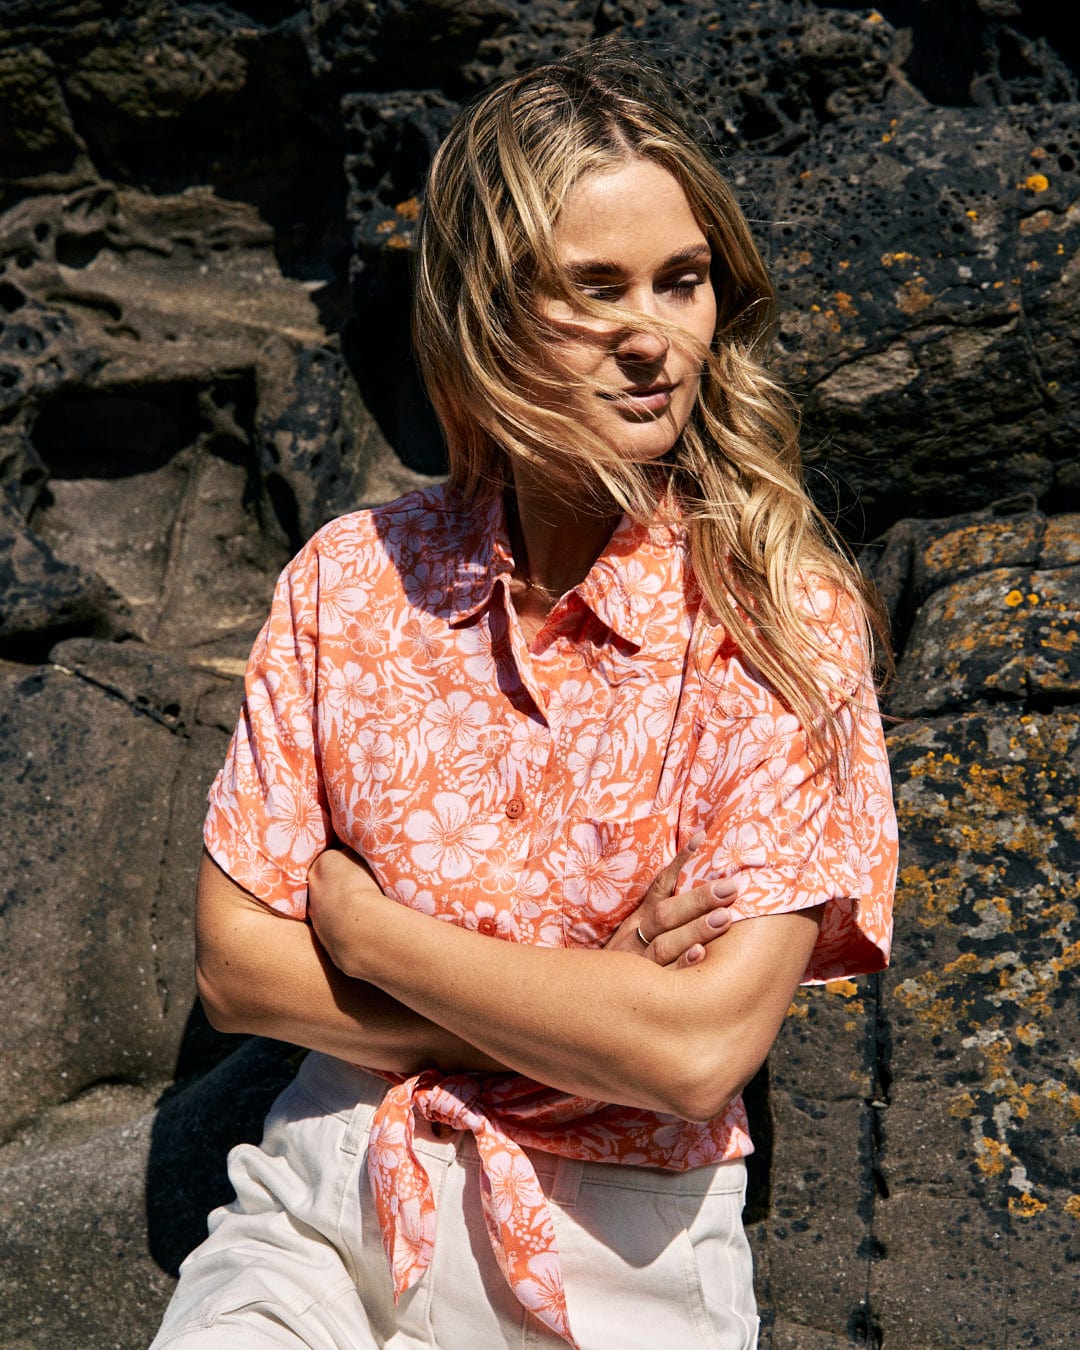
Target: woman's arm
x,y
605,1025
262,973
268,975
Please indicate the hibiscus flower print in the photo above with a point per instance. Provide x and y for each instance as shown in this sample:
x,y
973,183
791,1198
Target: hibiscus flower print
x,y
452,724
372,821
348,691
596,880
341,596
514,1186
447,840
295,830
590,760
639,586
541,1290
568,703
741,847
775,783
372,756
419,642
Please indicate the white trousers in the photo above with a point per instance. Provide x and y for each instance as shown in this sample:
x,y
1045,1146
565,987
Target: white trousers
x,y
650,1258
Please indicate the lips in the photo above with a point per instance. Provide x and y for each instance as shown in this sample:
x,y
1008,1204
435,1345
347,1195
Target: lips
x,y
643,398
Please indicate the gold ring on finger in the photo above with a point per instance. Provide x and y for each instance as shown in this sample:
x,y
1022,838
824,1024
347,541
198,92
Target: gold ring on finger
x,y
642,936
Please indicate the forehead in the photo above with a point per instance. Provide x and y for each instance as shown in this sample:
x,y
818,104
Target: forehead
x,y
630,214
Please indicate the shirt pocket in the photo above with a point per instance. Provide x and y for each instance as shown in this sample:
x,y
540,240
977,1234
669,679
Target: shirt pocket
x,y
608,865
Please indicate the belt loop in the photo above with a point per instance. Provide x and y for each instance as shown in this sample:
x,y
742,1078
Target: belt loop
x,y
567,1182
355,1138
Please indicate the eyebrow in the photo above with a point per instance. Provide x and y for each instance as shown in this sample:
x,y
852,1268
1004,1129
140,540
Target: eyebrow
x,y
607,267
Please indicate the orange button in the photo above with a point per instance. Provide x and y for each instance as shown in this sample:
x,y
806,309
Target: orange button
x,y
515,807
487,926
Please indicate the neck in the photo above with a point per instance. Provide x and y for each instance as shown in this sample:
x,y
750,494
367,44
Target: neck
x,y
555,543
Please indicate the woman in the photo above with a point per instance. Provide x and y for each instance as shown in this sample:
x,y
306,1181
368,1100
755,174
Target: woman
x,y
604,696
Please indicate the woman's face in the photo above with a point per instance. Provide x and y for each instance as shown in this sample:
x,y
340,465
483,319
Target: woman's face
x,y
629,237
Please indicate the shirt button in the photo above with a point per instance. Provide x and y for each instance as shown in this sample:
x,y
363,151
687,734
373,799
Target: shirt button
x,y
515,807
487,926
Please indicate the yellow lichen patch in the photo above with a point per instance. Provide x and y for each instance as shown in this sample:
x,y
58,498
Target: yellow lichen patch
x,y
874,17
1025,1206
887,259
845,988
913,297
1014,598
843,264
971,214
1072,1207
804,258
1069,958
398,241
966,964
1035,182
385,227
1030,1033
409,208
844,305
800,1004
1038,153
1060,641
991,1156
962,1106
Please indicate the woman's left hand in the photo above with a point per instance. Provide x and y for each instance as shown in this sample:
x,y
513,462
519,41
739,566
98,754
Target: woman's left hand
x,y
674,928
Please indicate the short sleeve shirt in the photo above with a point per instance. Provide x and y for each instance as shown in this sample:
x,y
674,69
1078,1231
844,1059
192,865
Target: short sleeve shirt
x,y
532,790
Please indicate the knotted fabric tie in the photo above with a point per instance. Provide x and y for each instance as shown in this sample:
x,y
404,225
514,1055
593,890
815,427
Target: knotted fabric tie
x,y
515,1208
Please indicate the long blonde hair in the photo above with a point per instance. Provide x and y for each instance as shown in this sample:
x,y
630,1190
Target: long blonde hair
x,y
485,252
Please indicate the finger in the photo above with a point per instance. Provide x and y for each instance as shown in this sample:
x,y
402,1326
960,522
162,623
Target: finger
x,y
674,911
672,947
693,956
665,880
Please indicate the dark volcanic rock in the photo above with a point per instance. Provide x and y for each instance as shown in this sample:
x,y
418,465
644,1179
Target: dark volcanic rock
x,y
980,1151
41,598
99,986
998,616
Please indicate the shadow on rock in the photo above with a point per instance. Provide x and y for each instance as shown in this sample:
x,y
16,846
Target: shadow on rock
x,y
198,1121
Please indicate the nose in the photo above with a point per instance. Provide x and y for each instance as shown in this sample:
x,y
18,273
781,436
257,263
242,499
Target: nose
x,y
640,346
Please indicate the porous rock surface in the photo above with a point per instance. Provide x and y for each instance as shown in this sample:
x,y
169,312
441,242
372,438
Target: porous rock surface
x,y
206,216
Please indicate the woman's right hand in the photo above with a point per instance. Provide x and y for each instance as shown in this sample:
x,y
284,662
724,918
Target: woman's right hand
x,y
673,929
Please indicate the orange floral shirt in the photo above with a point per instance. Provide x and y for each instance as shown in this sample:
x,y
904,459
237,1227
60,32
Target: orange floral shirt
x,y
531,792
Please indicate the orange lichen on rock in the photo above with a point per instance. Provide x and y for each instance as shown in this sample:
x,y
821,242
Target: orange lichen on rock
x,y
1025,1206
1035,224
913,297
991,1155
409,208
1035,182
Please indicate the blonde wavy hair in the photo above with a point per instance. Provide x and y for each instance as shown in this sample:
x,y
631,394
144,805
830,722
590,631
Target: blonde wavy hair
x,y
487,265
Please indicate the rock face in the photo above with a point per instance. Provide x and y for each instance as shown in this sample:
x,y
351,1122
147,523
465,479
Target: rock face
x,y
206,216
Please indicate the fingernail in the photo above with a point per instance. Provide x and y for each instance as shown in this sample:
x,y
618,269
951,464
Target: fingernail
x,y
721,889
695,841
694,955
718,918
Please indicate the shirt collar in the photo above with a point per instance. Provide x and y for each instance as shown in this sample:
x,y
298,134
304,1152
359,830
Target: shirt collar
x,y
638,563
